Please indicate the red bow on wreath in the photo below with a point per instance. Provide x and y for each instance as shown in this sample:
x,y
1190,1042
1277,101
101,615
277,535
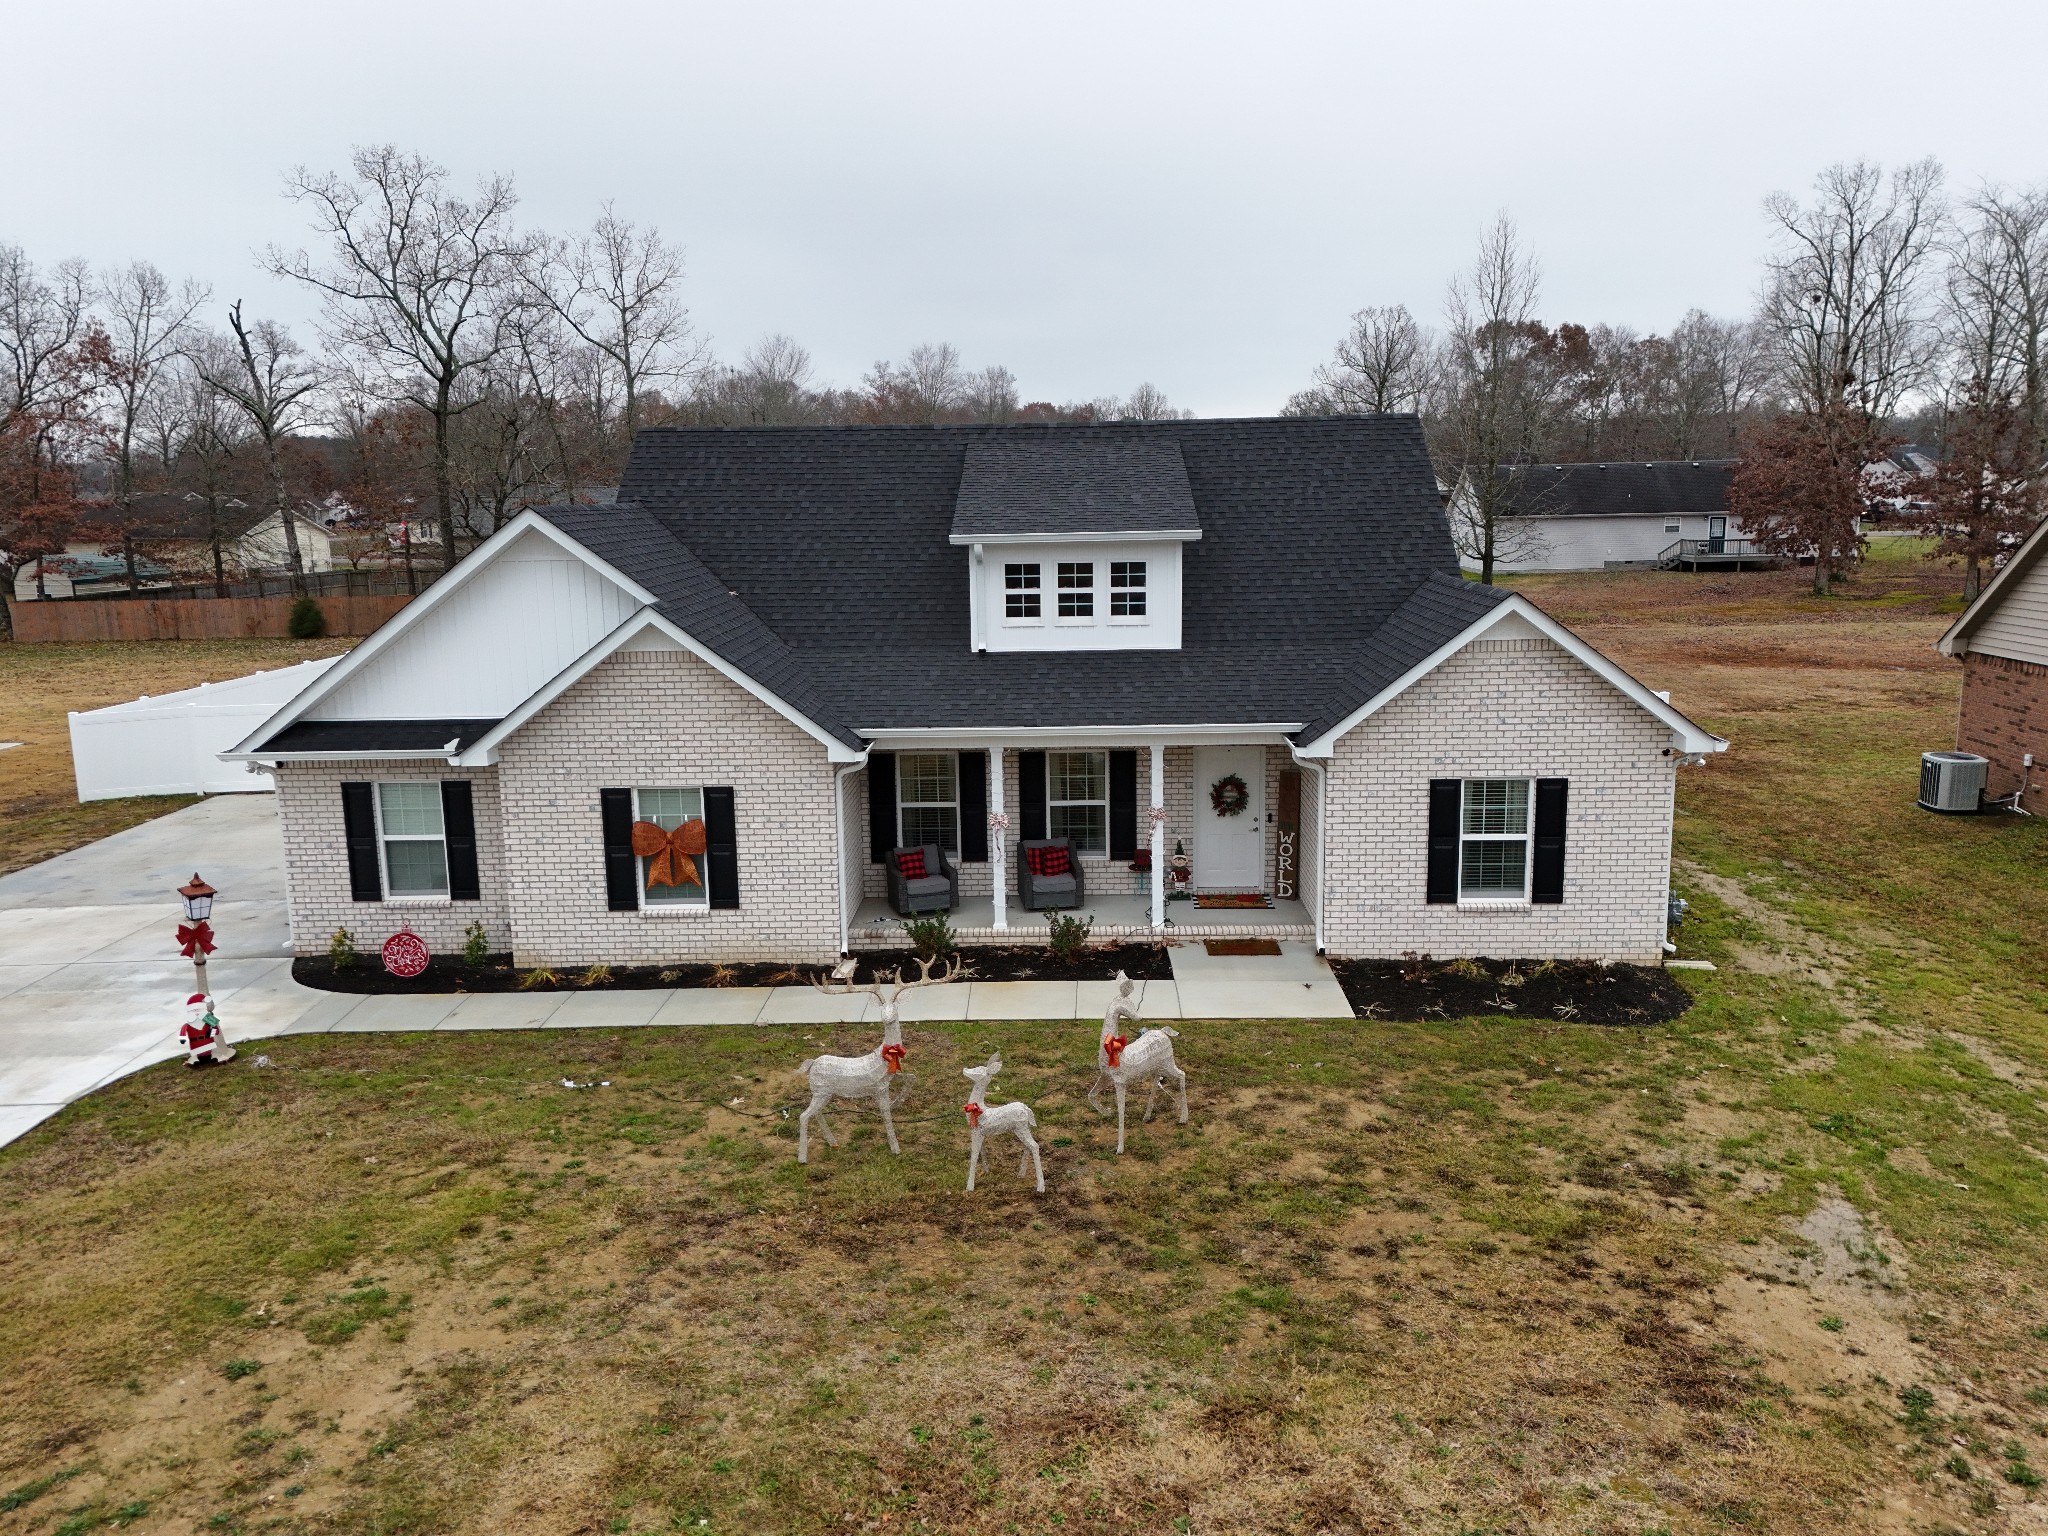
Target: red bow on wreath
x,y
973,1112
671,856
1113,1048
892,1057
197,936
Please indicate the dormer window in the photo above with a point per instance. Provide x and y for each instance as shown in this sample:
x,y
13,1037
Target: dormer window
x,y
1077,589
1020,591
1127,589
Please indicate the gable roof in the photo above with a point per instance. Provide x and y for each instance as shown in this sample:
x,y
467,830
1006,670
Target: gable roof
x,y
1955,640
1672,487
1045,486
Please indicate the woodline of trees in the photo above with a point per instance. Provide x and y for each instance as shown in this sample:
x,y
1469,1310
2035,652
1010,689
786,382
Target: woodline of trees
x,y
1887,313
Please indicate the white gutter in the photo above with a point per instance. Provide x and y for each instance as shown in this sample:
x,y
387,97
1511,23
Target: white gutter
x,y
1322,834
839,778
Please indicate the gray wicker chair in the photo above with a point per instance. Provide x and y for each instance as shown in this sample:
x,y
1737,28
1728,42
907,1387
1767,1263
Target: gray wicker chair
x,y
1038,893
939,890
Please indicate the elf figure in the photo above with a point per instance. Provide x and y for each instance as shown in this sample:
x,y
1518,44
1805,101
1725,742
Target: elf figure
x,y
205,1044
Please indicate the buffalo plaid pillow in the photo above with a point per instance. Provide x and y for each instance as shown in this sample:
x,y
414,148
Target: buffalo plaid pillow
x,y
911,865
1046,861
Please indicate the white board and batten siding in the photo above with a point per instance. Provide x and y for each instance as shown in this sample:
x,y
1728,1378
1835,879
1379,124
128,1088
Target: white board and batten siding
x,y
490,645
171,744
2017,628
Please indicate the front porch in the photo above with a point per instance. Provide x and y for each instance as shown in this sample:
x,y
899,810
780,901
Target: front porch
x,y
1115,917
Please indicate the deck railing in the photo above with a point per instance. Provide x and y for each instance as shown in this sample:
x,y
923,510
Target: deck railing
x,y
1713,549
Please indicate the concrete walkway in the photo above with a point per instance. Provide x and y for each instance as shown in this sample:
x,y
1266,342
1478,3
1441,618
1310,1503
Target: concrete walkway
x,y
92,986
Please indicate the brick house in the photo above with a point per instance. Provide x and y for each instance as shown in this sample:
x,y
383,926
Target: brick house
x,y
793,651
2002,641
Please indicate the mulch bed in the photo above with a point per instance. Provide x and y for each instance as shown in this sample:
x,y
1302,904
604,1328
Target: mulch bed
x,y
450,973
1579,991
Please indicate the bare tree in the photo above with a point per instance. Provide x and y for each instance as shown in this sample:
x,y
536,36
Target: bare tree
x,y
928,386
992,394
269,378
1380,364
55,356
1717,380
1995,308
417,284
147,326
199,432
1147,402
771,386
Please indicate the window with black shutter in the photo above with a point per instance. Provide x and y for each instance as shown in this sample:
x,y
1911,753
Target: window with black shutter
x,y
1446,797
621,885
359,832
458,822
1552,799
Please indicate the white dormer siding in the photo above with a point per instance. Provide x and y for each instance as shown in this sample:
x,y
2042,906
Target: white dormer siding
x,y
1081,595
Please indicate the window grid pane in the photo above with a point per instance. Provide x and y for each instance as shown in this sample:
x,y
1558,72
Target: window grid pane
x,y
411,810
417,866
1020,591
931,824
1494,867
1086,826
1496,807
1077,589
669,809
926,778
1077,776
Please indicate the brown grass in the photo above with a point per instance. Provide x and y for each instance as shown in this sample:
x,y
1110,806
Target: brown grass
x,y
39,810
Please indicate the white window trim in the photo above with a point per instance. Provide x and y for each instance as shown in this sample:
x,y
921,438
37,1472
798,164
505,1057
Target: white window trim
x,y
1077,620
412,898
1038,591
1086,853
667,909
954,803
1144,590
1527,838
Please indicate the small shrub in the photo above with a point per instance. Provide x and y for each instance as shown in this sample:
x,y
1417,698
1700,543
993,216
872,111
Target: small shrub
x,y
596,976
307,621
931,935
721,976
235,1370
1067,937
1916,1401
1465,968
1832,1323
540,976
341,949
476,945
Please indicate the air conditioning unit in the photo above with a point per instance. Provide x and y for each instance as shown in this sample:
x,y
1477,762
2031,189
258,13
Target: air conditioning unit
x,y
1953,782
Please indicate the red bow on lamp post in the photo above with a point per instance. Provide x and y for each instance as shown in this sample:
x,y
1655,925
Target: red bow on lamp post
x,y
892,1057
195,936
1113,1048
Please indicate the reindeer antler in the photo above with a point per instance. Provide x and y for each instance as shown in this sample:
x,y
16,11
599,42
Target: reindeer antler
x,y
841,982
956,970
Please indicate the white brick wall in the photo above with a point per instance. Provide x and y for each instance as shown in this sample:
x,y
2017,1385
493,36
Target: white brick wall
x,y
1503,708
316,861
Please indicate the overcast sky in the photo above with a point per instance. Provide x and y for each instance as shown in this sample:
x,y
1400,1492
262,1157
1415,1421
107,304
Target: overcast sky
x,y
1094,195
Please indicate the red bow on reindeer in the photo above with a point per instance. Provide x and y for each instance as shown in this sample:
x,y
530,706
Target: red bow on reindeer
x,y
892,1057
1113,1048
671,856
973,1113
196,936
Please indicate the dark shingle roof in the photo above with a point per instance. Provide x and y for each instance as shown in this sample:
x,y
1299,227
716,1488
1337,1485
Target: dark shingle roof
x,y
817,561
1055,485
1675,487
323,736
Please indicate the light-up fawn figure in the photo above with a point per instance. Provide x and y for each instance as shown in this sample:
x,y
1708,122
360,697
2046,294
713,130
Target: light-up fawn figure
x,y
1013,1119
1124,1061
869,1076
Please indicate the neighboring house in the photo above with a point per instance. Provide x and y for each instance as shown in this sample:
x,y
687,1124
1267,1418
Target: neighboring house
x,y
82,575
174,530
2002,641
1588,517
819,644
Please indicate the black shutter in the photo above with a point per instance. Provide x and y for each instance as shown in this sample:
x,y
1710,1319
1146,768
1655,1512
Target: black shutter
x,y
359,829
1446,802
1031,796
458,825
721,848
881,805
1547,887
621,869
1123,805
974,807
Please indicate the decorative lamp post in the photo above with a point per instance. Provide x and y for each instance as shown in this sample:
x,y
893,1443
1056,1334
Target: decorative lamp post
x,y
204,1040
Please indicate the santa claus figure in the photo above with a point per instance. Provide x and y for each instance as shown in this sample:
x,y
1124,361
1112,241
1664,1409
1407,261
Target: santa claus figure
x,y
201,1034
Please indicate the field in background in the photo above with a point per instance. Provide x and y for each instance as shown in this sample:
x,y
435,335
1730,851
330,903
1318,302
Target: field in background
x,y
1774,1267
39,810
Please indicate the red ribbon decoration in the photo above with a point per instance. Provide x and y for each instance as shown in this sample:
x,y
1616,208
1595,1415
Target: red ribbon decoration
x,y
892,1057
973,1112
197,936
1113,1047
671,856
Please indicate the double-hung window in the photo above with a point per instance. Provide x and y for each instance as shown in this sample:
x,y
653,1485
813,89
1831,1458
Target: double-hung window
x,y
1077,589
1020,591
669,809
1127,589
1493,840
413,839
928,800
1077,799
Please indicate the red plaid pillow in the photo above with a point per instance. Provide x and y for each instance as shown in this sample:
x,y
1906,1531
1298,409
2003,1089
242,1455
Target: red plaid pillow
x,y
911,865
1047,861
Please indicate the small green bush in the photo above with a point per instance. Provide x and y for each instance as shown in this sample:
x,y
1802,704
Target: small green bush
x,y
931,935
1067,937
476,945
307,621
235,1370
341,949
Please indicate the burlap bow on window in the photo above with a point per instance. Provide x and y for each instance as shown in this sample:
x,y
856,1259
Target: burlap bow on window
x,y
671,856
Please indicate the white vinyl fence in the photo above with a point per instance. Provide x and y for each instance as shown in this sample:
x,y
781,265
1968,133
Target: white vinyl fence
x,y
168,745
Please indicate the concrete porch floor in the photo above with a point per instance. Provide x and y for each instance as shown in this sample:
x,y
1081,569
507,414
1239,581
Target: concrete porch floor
x,y
875,926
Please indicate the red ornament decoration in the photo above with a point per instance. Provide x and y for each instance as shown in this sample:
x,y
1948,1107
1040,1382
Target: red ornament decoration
x,y
405,953
193,936
1113,1048
892,1057
671,856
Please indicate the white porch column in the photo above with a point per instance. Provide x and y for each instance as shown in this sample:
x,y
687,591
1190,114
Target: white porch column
x,y
1158,820
998,840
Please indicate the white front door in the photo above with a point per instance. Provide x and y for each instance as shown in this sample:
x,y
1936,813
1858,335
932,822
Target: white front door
x,y
1230,851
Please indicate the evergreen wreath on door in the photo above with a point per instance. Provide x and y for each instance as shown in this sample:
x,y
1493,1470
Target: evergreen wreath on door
x,y
1228,796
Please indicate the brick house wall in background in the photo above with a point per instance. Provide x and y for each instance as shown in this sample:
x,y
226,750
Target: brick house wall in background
x,y
2004,716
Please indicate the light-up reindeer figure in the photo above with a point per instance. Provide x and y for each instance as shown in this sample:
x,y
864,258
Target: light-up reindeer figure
x,y
1013,1119
1124,1061
878,1075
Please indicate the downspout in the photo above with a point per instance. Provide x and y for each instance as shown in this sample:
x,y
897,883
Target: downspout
x,y
839,779
1322,834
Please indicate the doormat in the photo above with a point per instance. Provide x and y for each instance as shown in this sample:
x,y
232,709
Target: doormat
x,y
1236,899
1242,946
